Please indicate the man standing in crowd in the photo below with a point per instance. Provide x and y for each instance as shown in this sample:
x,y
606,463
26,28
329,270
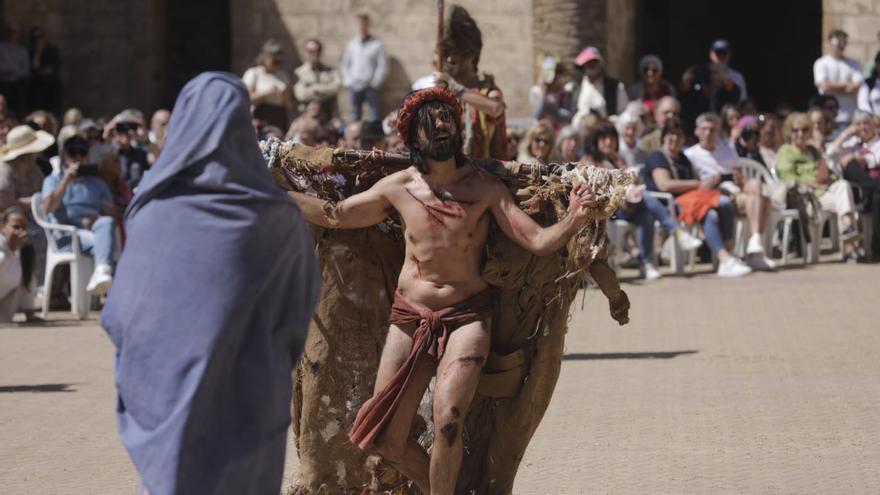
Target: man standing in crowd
x,y
485,127
316,82
839,76
720,55
595,93
364,66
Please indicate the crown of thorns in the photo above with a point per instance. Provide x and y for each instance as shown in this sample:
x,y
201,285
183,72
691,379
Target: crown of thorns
x,y
413,101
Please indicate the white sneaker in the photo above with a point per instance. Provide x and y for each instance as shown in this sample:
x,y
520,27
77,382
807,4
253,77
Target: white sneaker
x,y
732,268
687,241
100,281
761,262
755,245
650,272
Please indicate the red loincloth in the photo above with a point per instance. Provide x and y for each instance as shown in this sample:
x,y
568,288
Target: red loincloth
x,y
429,343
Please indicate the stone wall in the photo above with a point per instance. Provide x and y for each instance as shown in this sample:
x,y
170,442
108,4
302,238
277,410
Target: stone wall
x,y
112,51
860,19
115,55
408,28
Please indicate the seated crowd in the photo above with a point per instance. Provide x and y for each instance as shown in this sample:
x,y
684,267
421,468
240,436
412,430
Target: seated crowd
x,y
711,168
731,169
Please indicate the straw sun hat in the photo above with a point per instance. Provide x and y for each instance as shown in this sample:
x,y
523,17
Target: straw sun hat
x,y
23,140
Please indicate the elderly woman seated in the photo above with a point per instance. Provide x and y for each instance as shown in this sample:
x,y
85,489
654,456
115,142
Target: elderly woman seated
x,y
856,152
799,162
639,209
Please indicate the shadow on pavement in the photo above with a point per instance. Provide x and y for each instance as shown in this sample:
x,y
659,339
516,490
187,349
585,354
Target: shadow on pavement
x,y
625,355
48,387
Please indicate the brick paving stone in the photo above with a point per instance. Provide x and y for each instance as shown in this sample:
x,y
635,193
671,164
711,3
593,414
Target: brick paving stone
x,y
766,384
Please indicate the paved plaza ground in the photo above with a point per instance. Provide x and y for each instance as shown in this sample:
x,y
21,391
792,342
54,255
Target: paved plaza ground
x,y
767,384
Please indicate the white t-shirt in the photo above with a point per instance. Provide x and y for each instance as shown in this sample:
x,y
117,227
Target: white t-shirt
x,y
257,79
707,163
845,70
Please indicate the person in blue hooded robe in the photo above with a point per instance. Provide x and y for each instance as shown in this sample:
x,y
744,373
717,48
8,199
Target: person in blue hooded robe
x,y
210,305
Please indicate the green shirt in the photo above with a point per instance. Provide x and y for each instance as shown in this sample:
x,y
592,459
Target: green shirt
x,y
792,164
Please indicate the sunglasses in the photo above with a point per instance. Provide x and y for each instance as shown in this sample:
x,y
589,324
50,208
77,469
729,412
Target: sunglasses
x,y
541,140
649,70
800,130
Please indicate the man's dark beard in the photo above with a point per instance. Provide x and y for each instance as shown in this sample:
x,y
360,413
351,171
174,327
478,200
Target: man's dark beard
x,y
440,151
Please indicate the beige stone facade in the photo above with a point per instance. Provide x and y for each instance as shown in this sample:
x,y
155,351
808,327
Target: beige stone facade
x,y
408,29
860,19
112,51
115,55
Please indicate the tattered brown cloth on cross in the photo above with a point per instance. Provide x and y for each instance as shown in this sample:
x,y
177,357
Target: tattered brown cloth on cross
x,y
360,269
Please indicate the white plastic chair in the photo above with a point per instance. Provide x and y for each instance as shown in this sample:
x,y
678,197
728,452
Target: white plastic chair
x,y
751,169
617,230
81,265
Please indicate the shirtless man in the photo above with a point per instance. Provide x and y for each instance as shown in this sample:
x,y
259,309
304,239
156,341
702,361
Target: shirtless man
x,y
441,318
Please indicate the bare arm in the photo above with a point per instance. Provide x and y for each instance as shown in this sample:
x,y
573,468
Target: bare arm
x,y
491,107
361,210
666,183
518,226
52,201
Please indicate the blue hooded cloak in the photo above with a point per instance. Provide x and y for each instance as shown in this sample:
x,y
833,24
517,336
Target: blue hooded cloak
x,y
210,304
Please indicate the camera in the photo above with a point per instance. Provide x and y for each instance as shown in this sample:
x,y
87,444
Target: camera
x,y
748,134
124,127
87,170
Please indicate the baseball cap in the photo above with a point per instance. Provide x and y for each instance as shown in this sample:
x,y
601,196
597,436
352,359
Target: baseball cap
x,y
720,45
587,54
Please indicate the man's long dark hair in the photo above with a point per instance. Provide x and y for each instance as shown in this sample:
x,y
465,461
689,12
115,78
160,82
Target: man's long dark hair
x,y
423,119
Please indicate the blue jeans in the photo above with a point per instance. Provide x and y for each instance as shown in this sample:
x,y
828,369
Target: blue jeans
x,y
99,242
373,99
718,225
643,215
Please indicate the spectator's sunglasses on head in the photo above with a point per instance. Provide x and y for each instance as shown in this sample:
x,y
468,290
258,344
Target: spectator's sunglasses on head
x,y
123,127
